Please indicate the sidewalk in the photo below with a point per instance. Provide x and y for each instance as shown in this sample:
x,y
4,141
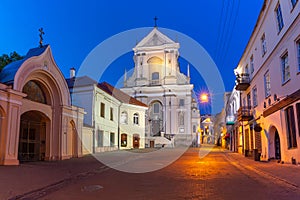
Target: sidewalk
x,y
286,172
17,180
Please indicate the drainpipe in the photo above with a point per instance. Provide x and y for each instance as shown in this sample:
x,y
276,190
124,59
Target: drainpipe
x,y
119,108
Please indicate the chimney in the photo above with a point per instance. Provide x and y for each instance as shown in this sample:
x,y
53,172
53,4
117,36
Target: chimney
x,y
72,72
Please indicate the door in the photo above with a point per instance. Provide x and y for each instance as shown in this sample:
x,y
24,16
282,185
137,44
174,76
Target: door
x,y
136,141
277,146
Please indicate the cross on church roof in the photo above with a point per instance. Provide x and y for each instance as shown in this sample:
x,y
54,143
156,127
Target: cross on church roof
x,y
41,36
155,21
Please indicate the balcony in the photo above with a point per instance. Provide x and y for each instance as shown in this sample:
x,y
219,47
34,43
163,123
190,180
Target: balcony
x,y
242,81
155,82
244,114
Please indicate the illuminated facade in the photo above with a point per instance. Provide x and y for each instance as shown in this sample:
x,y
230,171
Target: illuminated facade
x,y
114,120
268,78
37,119
158,82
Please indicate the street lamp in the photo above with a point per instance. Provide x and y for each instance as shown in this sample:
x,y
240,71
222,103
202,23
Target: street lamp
x,y
203,98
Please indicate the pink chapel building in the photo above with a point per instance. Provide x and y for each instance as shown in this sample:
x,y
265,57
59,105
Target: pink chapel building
x,y
37,120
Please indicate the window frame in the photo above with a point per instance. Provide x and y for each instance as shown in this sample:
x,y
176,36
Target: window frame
x,y
285,68
263,44
102,109
156,105
254,96
290,127
267,84
251,64
298,53
279,17
125,115
136,119
181,102
100,134
111,114
298,117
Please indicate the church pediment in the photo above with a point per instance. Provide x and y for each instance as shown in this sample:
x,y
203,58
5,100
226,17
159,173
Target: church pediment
x,y
155,38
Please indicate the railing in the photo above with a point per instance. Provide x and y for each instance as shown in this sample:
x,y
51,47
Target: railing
x,y
245,113
155,82
242,81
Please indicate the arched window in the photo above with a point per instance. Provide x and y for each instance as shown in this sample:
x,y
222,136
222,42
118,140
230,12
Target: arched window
x,y
136,118
34,92
124,118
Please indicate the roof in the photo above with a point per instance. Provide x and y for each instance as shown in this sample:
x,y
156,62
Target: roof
x,y
80,81
118,94
155,38
8,73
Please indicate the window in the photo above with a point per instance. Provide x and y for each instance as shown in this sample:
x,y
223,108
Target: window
x,y
247,70
136,118
298,54
279,17
102,110
251,65
156,108
34,92
263,45
249,100
181,102
294,2
298,117
194,128
267,84
254,96
99,138
111,114
112,139
155,76
285,68
290,125
123,140
124,118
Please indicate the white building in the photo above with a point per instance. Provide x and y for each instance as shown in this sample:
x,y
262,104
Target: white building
x,y
268,76
231,107
113,121
158,82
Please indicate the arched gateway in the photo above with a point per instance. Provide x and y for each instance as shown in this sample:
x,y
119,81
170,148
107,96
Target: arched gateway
x,y
41,123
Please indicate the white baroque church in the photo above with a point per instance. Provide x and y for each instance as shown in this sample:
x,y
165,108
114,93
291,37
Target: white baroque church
x,y
158,83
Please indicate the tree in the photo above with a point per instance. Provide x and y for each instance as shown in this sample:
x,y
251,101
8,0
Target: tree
x,y
6,59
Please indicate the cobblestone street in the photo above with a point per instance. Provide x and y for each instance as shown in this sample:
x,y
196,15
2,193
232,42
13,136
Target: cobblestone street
x,y
219,175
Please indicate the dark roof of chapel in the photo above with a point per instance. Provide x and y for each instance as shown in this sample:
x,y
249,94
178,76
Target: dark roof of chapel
x,y
8,73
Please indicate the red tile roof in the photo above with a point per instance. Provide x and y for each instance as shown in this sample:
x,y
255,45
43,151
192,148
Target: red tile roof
x,y
118,94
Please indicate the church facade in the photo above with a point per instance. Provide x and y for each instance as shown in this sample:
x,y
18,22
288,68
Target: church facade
x,y
37,120
158,83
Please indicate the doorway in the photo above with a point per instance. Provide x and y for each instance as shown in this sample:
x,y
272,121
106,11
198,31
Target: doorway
x,y
32,138
136,141
277,146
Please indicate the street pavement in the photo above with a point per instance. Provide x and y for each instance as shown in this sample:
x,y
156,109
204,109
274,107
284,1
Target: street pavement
x,y
200,173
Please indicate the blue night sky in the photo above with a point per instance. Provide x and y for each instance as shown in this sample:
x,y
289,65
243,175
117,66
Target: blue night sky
x,y
74,28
